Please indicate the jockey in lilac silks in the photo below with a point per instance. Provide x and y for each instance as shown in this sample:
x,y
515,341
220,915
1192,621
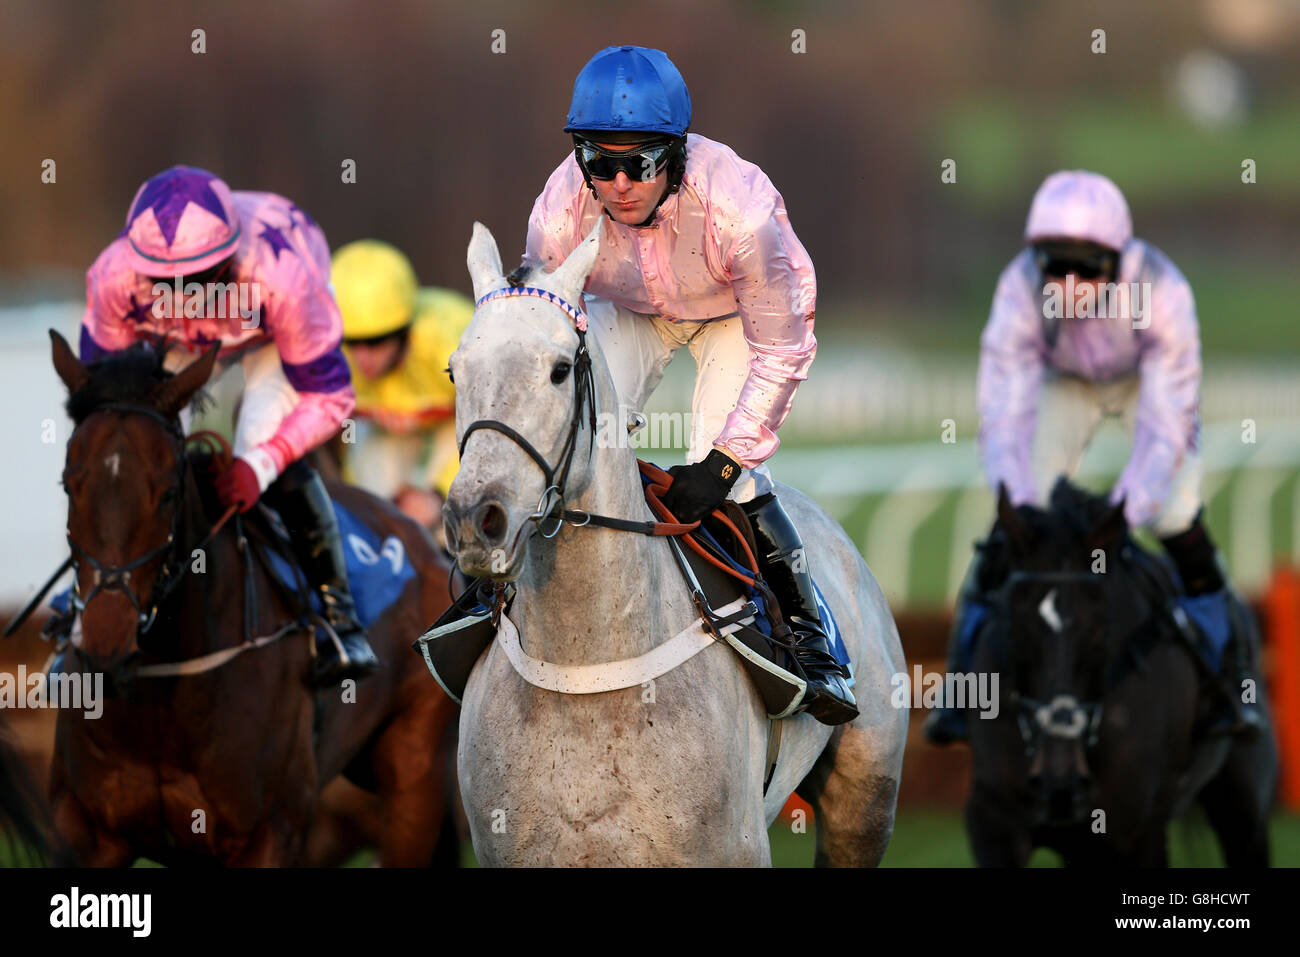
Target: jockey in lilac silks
x,y
257,269
1088,322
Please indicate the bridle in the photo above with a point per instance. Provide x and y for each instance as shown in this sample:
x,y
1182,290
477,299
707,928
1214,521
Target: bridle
x,y
550,514
1065,717
118,577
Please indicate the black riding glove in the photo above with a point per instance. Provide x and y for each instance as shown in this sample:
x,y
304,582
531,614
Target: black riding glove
x,y
700,488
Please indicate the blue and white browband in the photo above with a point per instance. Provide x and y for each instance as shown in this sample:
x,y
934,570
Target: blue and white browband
x,y
577,315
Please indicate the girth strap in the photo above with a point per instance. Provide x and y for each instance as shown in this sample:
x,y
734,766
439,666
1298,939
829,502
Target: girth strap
x,y
612,675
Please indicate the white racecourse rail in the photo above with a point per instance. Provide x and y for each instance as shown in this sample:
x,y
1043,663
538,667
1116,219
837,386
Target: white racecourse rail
x,y
864,439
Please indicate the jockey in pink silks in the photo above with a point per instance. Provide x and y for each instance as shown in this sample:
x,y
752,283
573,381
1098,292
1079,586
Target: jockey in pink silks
x,y
273,313
697,251
1088,322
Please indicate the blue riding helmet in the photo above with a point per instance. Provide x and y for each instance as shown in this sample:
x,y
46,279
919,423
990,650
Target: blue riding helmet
x,y
630,89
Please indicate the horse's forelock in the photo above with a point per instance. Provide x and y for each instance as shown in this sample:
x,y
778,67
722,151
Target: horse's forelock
x,y
129,376
1075,508
522,276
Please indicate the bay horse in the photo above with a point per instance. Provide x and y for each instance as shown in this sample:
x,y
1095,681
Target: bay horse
x,y
670,772
225,765
1096,745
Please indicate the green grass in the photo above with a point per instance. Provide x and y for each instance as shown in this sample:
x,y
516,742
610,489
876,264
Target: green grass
x,y
937,838
1156,154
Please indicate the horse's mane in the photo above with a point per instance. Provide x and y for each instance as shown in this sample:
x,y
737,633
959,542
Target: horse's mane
x,y
520,276
129,376
1076,508
1072,512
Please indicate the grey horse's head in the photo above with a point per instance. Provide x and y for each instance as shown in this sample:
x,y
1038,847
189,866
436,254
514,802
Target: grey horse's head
x,y
515,367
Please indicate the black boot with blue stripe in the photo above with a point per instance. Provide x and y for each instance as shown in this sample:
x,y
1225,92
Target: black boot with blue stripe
x,y
1218,625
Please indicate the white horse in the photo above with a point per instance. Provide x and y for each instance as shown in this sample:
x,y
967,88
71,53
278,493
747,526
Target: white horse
x,y
666,773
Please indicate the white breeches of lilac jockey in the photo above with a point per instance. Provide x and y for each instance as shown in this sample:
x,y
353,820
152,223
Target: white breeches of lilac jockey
x,y
265,399
1069,411
638,348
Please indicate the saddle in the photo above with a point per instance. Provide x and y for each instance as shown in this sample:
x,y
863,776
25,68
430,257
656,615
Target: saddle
x,y
717,561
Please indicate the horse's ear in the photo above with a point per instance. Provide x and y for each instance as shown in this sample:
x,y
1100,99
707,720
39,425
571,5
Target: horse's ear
x,y
572,274
1109,528
174,394
66,363
484,261
1018,531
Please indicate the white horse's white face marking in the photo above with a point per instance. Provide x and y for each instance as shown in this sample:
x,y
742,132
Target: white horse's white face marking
x,y
1047,611
113,463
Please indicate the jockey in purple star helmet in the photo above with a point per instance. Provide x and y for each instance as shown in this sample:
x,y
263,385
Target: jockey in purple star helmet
x,y
197,265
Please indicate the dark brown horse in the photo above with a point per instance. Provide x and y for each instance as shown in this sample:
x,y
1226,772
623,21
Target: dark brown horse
x,y
1098,741
223,766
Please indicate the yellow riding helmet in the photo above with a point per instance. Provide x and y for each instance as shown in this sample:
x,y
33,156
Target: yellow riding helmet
x,y
376,288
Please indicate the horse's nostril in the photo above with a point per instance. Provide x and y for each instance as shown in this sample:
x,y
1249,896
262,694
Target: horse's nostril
x,y
450,521
492,522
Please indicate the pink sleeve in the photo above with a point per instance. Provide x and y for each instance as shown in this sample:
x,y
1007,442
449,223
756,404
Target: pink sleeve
x,y
553,225
1170,367
307,331
103,325
775,286
1012,359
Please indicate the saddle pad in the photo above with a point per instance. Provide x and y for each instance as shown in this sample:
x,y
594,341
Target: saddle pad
x,y
378,569
720,589
838,649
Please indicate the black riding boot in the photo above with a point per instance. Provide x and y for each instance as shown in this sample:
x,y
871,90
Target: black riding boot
x,y
1221,620
784,566
947,723
299,496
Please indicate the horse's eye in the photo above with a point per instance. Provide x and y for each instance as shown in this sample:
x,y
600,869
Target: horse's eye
x,y
560,372
449,375
169,496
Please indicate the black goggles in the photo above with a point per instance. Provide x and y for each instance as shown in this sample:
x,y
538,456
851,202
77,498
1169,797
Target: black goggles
x,y
1086,263
642,163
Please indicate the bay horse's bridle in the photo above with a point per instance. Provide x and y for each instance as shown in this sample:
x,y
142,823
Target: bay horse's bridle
x,y
118,577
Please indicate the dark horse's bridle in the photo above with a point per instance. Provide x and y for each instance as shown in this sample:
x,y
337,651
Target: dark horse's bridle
x,y
1064,717
118,577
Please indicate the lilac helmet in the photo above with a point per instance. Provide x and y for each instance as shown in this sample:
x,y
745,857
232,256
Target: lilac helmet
x,y
181,221
1077,204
